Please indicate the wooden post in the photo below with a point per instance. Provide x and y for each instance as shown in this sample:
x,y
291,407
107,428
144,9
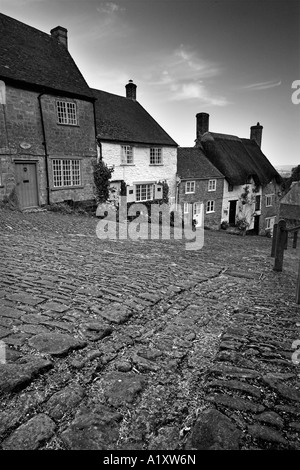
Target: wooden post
x,y
295,239
298,286
286,239
280,243
274,240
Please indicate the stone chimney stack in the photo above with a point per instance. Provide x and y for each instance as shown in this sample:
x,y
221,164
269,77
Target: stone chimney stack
x,y
61,34
131,90
202,126
256,133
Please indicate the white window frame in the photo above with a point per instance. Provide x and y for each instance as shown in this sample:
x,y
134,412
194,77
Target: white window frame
x,y
66,172
268,222
210,206
186,207
144,189
127,155
66,113
189,187
271,197
212,185
156,156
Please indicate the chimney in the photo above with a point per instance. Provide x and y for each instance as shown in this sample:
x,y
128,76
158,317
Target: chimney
x,y
131,90
202,126
61,34
256,133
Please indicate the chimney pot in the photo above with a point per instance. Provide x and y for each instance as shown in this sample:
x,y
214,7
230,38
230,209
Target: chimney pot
x,y
256,133
61,34
131,90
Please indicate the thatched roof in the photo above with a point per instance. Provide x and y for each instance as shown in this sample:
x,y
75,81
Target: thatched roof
x,y
31,58
193,164
238,159
120,119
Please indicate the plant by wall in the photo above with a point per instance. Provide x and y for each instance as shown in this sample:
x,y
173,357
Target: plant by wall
x,y
102,175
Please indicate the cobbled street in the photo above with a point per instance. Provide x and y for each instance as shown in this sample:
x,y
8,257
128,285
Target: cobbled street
x,y
142,344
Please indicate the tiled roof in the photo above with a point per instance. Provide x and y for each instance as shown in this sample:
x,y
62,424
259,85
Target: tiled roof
x,y
120,119
30,57
192,163
293,195
238,159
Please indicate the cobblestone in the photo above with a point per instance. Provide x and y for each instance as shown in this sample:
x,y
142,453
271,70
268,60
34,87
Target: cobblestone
x,y
142,344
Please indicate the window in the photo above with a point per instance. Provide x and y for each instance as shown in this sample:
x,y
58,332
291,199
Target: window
x,y
66,113
212,185
144,192
126,155
257,203
155,156
230,187
186,208
66,173
269,200
210,206
270,223
190,187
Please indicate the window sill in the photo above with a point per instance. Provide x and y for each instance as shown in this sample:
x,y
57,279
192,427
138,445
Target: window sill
x,y
192,192
127,164
67,125
211,190
210,212
60,188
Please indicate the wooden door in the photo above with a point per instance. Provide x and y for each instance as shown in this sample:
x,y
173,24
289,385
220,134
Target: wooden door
x,y
26,184
232,212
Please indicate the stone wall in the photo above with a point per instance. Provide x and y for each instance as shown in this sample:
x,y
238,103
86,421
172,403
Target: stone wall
x,y
21,139
201,194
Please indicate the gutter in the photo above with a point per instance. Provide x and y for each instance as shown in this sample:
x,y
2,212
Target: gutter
x,y
45,147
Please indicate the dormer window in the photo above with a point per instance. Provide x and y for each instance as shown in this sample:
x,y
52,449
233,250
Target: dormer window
x,y
66,113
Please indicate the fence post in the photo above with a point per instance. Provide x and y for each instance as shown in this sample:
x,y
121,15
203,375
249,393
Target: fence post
x,y
298,286
286,239
295,239
280,244
274,240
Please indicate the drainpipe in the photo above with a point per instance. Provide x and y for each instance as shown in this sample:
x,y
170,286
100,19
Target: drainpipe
x,y
45,147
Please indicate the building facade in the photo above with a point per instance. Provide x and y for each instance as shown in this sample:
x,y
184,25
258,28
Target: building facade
x,y
143,155
47,130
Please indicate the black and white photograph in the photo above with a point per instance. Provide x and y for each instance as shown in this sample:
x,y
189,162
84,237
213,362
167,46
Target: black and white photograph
x,y
149,230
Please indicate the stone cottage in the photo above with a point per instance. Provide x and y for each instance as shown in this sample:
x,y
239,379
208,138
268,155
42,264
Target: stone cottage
x,y
252,186
47,127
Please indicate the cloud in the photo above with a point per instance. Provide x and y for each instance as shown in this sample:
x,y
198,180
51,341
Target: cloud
x,y
262,85
109,8
184,75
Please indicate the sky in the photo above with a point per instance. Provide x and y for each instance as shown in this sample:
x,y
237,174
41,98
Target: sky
x,y
236,60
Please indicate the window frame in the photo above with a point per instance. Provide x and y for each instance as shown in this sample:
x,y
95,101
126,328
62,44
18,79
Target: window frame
x,y
271,197
158,156
66,114
186,187
62,176
124,155
139,191
268,222
210,206
213,183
